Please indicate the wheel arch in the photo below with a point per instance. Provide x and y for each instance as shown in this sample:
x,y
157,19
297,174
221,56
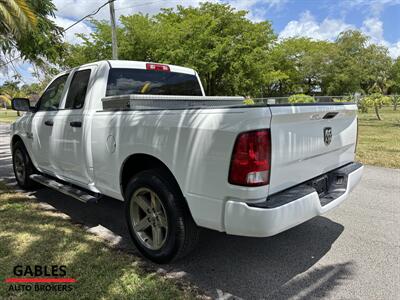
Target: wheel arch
x,y
138,162
16,138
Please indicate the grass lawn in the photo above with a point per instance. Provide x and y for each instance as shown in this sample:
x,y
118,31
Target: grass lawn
x,y
31,235
8,116
379,141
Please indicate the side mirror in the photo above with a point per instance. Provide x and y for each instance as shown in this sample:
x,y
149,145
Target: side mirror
x,y
21,104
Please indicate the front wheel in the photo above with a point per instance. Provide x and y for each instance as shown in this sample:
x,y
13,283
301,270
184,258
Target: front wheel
x,y
22,166
158,220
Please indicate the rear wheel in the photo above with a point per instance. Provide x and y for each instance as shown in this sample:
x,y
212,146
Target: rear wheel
x,y
159,222
22,166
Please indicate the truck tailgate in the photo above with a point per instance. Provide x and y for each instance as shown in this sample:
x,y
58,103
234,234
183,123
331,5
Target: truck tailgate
x,y
310,140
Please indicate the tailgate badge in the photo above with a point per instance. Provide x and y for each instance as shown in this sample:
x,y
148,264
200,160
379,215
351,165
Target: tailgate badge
x,y
327,135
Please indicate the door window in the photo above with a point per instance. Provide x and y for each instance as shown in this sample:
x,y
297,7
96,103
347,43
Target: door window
x,y
51,97
77,90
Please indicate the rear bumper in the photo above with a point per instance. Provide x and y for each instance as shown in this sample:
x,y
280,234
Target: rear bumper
x,y
290,207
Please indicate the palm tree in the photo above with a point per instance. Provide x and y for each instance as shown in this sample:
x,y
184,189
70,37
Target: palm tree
x,y
10,90
27,27
16,16
5,100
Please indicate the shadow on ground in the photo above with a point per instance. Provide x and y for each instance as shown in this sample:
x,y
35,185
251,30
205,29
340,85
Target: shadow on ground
x,y
226,265
31,235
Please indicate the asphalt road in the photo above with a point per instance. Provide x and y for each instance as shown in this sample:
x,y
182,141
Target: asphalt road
x,y
350,253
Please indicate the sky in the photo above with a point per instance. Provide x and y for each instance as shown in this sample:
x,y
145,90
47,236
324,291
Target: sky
x,y
317,19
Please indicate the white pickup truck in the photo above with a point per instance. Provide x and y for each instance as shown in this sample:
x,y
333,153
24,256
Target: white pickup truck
x,y
146,134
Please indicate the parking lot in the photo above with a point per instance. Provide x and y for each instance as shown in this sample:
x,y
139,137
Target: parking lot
x,y
350,253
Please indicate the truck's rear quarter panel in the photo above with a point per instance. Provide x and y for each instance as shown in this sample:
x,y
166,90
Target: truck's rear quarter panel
x,y
195,144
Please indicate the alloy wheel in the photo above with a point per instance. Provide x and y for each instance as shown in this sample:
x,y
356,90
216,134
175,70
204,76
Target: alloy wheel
x,y
149,218
19,164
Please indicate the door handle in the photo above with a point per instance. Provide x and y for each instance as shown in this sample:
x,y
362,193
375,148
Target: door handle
x,y
49,122
75,124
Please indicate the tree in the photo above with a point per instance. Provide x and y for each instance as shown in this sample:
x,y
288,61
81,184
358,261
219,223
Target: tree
x,y
301,98
395,101
235,56
357,65
377,69
96,46
5,100
395,78
10,90
25,27
376,100
227,50
305,63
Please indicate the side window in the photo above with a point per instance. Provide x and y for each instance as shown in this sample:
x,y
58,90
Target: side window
x,y
77,90
51,97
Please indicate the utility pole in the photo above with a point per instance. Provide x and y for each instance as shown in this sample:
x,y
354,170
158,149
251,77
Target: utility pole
x,y
113,31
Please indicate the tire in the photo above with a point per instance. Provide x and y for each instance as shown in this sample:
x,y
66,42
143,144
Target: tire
x,y
22,166
169,229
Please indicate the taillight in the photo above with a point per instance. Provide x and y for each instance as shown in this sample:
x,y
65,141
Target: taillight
x,y
251,159
157,67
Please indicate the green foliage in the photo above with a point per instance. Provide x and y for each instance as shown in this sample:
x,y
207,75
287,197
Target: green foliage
x,y
303,62
301,98
25,26
395,101
376,101
9,90
5,100
12,89
96,46
16,17
248,101
344,99
229,52
235,56
357,66
395,76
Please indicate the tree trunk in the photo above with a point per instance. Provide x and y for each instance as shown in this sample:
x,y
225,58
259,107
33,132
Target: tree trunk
x,y
395,106
309,86
208,87
377,113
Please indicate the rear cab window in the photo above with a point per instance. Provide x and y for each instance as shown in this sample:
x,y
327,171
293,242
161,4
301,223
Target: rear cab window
x,y
139,81
77,90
